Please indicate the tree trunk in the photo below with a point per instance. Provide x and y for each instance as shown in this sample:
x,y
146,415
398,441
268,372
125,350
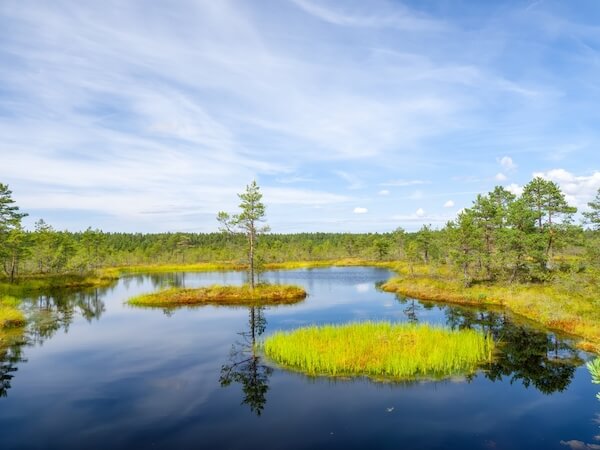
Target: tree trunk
x,y
251,256
12,269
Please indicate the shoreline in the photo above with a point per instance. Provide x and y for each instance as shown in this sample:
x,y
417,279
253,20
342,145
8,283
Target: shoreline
x,y
552,305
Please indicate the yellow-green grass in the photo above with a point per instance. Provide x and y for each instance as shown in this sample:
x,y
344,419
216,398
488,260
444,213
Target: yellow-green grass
x,y
269,294
40,282
165,268
380,350
233,265
558,305
10,315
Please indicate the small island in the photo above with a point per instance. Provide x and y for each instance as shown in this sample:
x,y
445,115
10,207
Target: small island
x,y
380,350
244,295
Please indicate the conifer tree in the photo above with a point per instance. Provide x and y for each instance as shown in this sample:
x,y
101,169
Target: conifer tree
x,y
247,222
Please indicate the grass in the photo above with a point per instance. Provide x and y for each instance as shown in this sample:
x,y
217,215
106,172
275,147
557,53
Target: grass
x,y
264,294
41,282
10,315
165,268
380,350
569,304
594,369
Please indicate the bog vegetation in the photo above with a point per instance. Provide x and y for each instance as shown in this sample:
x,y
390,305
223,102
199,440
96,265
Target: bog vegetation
x,y
380,350
10,315
528,248
245,295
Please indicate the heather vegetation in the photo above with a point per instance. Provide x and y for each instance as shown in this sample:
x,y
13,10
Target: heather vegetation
x,y
245,295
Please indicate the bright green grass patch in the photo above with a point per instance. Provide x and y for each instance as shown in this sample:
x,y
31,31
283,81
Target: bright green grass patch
x,y
264,294
380,350
10,315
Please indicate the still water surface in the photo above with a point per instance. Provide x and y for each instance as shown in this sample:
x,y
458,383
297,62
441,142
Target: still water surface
x,y
92,372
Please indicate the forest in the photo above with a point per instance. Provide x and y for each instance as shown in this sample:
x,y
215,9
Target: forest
x,y
501,237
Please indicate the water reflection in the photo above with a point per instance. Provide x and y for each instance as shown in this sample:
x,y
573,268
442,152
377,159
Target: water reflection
x,y
536,358
10,356
246,367
46,314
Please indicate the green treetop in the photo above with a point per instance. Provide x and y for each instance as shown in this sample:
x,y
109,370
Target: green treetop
x,y
247,222
593,215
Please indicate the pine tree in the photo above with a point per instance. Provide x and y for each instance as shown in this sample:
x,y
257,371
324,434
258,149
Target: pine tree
x,y
12,237
552,212
592,216
248,223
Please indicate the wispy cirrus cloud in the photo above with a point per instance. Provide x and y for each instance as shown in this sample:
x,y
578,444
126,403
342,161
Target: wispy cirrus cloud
x,y
168,109
361,15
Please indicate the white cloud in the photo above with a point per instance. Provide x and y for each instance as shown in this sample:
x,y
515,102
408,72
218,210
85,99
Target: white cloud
x,y
578,189
420,212
514,188
384,192
507,163
500,176
449,204
360,210
172,109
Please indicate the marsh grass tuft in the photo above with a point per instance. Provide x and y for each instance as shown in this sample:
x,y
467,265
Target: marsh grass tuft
x,y
380,350
10,315
263,294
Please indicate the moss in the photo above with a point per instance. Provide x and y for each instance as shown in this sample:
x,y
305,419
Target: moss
x,y
222,295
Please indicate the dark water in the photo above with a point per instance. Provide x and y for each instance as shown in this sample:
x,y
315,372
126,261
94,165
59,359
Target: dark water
x,y
93,373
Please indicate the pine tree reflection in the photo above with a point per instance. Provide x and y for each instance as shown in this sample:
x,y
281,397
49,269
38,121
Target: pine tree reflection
x,y
46,314
11,343
534,357
245,365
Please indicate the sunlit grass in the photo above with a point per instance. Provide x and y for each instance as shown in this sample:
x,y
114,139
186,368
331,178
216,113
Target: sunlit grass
x,y
40,282
380,350
264,294
594,368
165,268
10,315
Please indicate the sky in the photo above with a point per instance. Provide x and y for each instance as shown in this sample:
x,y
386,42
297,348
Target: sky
x,y
352,116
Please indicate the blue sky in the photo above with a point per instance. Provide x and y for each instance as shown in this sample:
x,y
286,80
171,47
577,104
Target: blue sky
x,y
351,115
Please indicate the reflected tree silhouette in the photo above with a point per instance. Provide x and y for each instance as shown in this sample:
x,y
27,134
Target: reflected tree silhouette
x,y
46,314
534,357
411,309
10,356
245,366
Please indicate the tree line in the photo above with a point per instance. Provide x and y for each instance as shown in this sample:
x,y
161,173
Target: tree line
x,y
502,236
